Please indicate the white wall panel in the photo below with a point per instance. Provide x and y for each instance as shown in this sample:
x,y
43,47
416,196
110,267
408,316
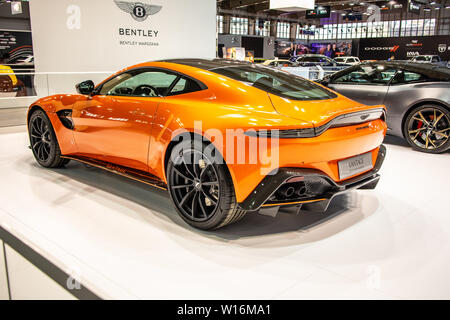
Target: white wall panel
x,y
84,35
28,282
3,282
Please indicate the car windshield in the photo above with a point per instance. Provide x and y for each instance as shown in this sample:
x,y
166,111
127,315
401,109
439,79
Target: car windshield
x,y
339,59
421,58
277,82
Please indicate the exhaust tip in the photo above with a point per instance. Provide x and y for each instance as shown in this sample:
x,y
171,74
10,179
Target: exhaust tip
x,y
302,191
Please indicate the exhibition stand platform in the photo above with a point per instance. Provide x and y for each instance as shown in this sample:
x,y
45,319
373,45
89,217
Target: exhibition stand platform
x,y
91,234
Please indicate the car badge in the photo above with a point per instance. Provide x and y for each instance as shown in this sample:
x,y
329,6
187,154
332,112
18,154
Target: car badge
x,y
138,10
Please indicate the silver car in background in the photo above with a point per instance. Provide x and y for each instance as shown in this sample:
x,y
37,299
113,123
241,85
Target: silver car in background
x,y
433,59
416,95
348,60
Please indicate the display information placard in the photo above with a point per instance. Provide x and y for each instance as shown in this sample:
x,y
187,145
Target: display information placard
x,y
16,64
318,12
16,47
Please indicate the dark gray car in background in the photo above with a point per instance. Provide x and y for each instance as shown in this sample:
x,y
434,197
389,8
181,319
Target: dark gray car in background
x,y
417,98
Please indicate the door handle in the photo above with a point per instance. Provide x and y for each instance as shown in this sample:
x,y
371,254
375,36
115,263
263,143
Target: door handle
x,y
372,94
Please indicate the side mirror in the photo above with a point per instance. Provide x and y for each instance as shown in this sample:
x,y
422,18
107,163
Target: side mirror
x,y
85,87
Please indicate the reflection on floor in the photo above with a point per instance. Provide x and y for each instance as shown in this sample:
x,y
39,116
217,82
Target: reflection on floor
x,y
124,239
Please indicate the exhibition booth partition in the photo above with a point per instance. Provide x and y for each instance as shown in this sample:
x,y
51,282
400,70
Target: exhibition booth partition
x,y
50,56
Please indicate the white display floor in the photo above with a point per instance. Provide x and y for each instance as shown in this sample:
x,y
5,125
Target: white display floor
x,y
123,239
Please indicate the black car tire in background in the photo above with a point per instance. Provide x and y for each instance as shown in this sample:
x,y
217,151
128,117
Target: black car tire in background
x,y
427,128
43,141
201,189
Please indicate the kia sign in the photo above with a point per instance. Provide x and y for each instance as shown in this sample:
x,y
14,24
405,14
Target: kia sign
x,y
404,48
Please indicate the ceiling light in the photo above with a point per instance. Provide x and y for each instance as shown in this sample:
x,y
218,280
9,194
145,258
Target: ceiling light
x,y
16,7
433,2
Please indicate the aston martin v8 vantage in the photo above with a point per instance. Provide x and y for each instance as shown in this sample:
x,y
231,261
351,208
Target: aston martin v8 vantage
x,y
223,138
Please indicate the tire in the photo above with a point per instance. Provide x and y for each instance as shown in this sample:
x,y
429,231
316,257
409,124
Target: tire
x,y
420,125
200,187
43,141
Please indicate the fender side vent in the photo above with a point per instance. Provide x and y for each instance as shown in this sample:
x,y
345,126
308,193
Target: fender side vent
x,y
66,118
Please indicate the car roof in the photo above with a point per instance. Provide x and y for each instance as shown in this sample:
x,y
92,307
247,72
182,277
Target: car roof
x,y
312,55
207,64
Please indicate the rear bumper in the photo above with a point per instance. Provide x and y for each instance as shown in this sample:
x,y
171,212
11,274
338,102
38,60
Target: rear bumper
x,y
321,189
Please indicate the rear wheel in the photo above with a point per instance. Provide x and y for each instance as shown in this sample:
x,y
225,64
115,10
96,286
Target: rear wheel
x,y
43,141
427,128
201,189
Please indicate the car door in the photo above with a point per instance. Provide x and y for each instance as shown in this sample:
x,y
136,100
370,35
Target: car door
x,y
405,89
115,123
366,84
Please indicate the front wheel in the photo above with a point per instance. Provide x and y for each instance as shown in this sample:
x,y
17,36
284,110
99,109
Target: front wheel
x,y
427,128
43,141
201,189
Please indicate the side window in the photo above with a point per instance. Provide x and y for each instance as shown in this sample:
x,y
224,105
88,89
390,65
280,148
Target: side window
x,y
403,77
145,83
184,85
412,76
367,75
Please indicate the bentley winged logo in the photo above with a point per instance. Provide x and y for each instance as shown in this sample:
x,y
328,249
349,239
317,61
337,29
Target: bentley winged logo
x,y
138,10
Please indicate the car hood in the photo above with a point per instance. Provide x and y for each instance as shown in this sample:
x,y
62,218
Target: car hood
x,y
317,112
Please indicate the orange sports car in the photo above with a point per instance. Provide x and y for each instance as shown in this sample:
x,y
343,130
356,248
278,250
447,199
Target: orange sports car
x,y
223,137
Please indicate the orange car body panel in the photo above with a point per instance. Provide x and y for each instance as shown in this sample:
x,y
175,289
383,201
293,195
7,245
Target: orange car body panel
x,y
136,131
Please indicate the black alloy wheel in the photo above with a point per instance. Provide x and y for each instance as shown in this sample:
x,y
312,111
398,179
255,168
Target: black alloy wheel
x,y
427,129
43,141
201,190
195,185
